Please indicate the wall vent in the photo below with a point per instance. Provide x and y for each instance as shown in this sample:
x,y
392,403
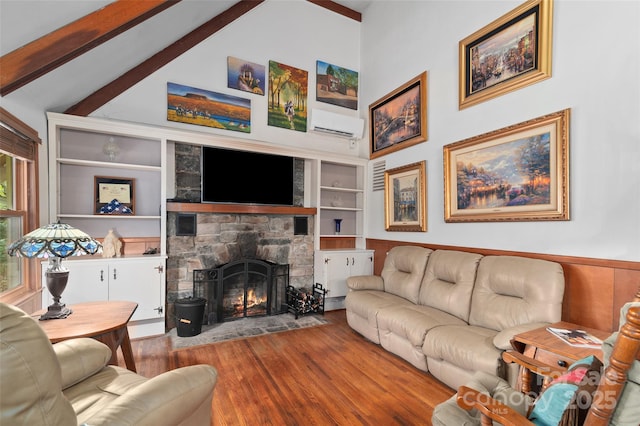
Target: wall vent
x,y
378,175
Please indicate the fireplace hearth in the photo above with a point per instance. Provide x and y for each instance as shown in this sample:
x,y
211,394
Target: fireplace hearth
x,y
243,288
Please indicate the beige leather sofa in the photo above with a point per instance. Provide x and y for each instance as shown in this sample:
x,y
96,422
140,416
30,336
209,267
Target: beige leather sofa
x,y
70,383
453,313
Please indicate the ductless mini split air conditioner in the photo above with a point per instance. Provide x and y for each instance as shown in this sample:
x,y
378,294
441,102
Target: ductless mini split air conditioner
x,y
338,125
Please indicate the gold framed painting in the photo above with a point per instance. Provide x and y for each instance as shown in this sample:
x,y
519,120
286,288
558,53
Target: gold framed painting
x,y
405,195
510,53
518,173
114,195
399,119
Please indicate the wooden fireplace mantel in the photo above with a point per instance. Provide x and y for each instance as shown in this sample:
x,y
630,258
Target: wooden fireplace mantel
x,y
238,208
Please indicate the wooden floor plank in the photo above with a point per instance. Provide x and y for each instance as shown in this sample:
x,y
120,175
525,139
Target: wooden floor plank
x,y
324,375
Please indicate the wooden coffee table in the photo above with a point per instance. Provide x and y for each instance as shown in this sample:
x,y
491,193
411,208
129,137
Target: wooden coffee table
x,y
103,321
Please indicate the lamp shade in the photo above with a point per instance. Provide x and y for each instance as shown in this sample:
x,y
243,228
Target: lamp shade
x,y
54,240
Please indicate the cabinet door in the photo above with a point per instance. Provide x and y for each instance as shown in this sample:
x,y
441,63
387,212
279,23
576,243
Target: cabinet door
x,y
361,263
337,267
139,281
88,282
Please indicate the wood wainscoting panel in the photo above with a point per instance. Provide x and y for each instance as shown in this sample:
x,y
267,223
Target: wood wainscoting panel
x,y
588,296
337,243
135,246
626,285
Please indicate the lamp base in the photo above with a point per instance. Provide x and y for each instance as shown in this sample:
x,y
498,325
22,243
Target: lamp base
x,y
56,312
57,277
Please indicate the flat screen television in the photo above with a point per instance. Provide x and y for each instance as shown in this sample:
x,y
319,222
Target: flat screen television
x,y
243,177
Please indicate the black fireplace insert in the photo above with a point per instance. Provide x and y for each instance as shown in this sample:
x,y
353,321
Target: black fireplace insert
x,y
243,288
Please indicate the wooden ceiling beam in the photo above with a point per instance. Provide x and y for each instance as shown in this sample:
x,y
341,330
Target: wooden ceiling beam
x,y
155,62
338,8
45,54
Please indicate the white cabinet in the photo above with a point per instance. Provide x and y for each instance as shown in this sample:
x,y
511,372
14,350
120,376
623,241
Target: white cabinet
x,y
333,267
341,197
139,280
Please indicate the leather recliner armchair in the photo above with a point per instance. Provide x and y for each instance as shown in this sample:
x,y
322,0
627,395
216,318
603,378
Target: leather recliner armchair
x,y
71,383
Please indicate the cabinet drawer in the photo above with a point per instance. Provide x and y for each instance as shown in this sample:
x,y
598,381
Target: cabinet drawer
x,y
553,358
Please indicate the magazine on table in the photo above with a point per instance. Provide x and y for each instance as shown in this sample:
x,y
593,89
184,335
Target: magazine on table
x,y
575,337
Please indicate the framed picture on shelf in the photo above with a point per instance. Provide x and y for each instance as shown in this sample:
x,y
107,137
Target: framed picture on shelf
x,y
512,52
518,173
405,195
114,195
399,119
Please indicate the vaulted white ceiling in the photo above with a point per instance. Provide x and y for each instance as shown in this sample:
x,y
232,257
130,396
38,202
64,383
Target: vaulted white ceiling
x,y
23,21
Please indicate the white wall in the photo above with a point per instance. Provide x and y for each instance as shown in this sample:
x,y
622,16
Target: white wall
x,y
596,73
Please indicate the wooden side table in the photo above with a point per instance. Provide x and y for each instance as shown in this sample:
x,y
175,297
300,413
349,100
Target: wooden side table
x,y
103,321
543,346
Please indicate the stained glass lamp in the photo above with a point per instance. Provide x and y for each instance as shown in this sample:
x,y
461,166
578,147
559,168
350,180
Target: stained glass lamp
x,y
55,242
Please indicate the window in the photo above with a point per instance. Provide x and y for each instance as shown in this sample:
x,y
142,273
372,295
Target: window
x,y
18,205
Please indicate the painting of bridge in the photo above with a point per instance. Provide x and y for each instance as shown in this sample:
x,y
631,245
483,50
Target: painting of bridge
x,y
399,119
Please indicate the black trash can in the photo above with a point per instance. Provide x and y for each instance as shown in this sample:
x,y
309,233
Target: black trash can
x,y
189,315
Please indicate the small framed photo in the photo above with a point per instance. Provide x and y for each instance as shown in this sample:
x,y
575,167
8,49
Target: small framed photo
x,y
114,195
510,53
399,119
405,195
518,173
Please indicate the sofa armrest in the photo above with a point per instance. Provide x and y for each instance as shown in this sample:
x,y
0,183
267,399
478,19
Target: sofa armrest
x,y
365,282
80,358
166,399
502,340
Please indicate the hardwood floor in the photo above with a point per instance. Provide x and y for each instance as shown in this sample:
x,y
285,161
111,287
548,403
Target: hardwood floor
x,y
325,375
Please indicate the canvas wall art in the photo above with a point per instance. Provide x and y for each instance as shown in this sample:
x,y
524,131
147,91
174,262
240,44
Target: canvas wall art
x,y
336,85
246,76
288,91
187,104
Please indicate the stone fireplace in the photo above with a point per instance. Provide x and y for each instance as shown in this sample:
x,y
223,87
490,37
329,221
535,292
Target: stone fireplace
x,y
223,238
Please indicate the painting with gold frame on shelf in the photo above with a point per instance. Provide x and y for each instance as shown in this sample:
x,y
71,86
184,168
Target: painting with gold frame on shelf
x,y
518,173
405,195
512,52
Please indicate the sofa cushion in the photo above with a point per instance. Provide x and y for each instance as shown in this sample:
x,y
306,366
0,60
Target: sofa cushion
x,y
468,347
450,413
362,309
413,321
98,391
403,271
627,410
30,376
448,281
80,358
567,399
511,290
